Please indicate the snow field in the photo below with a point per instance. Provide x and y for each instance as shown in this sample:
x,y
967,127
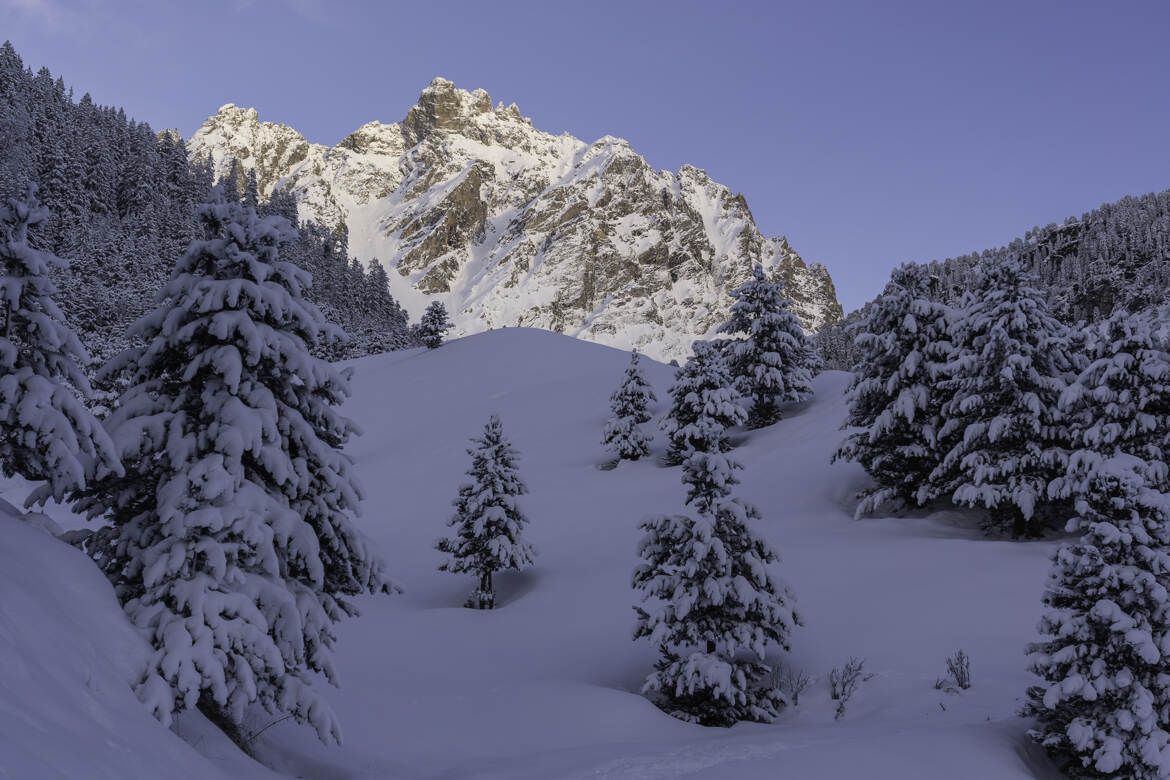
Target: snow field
x,y
546,685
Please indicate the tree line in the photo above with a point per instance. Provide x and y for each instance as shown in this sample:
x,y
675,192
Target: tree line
x,y
121,206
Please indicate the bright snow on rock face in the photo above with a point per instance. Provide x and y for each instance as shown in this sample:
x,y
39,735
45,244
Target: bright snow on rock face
x,y
514,226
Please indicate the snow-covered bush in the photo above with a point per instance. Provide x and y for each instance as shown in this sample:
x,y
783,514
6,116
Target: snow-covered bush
x,y
903,344
623,432
46,433
230,540
704,404
488,522
433,324
1002,432
774,361
1103,705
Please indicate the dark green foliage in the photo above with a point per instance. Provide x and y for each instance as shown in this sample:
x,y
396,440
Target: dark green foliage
x,y
122,200
1103,704
902,345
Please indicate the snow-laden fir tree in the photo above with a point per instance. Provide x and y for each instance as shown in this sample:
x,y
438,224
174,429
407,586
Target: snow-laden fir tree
x,y
704,404
433,324
1120,403
488,522
623,432
893,405
46,433
1002,433
230,539
712,603
1103,706
773,361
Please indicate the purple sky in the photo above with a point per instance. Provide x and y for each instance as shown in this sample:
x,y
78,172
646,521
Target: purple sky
x,y
869,133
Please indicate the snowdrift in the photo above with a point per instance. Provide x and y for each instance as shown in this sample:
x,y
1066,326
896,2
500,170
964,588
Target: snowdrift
x,y
67,658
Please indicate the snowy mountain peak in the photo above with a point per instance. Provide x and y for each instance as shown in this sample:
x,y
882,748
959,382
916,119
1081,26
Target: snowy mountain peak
x,y
443,106
510,225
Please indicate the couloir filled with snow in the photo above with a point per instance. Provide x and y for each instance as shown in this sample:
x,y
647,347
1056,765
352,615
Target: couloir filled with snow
x,y
547,684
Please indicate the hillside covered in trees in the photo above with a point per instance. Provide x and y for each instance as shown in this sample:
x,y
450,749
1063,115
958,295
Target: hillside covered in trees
x,y
121,200
1114,257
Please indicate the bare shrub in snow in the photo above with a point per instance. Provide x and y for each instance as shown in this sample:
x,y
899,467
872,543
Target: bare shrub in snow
x,y
958,673
791,681
844,682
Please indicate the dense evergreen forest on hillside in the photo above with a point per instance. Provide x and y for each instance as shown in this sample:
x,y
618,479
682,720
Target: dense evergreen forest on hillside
x,y
1114,257
122,201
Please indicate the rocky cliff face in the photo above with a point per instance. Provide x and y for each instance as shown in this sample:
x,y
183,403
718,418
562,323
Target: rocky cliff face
x,y
512,226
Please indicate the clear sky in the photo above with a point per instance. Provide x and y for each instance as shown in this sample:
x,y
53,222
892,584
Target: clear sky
x,y
869,133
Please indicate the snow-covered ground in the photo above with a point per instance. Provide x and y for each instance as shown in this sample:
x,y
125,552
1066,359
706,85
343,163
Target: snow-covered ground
x,y
546,686
67,653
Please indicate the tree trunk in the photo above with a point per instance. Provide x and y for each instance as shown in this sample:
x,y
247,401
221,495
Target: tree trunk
x,y
232,730
1009,516
487,594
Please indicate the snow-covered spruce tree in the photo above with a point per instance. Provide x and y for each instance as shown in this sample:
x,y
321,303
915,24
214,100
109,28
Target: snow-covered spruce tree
x,y
704,404
623,433
772,362
46,433
230,540
488,521
893,406
1002,433
1103,706
433,325
1120,403
718,606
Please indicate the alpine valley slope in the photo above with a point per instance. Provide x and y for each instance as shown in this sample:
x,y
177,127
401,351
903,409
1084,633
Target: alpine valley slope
x,y
546,685
511,226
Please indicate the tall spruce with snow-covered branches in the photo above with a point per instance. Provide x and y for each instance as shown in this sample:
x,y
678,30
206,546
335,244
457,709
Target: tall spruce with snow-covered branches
x,y
1103,706
623,432
704,404
46,433
1120,402
433,324
488,522
1002,434
772,362
892,400
712,603
229,539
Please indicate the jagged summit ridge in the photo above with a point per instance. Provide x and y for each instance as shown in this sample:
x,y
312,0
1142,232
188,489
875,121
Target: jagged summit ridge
x,y
511,226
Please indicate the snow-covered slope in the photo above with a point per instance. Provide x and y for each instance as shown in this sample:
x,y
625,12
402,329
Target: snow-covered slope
x,y
546,686
513,226
67,658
